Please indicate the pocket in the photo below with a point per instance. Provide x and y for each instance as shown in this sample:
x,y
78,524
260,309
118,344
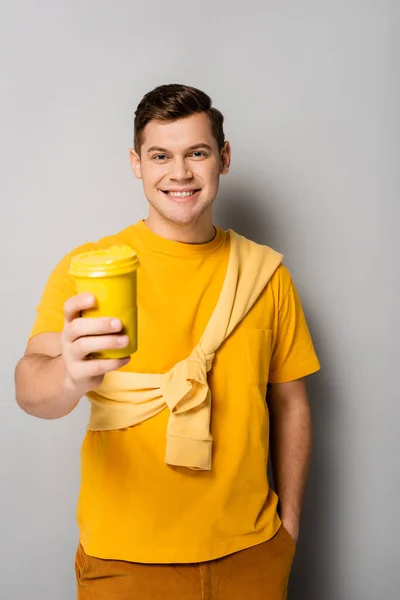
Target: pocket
x,y
292,541
258,355
80,563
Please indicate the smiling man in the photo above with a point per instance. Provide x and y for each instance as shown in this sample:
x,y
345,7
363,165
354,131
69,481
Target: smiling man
x,y
178,506
180,178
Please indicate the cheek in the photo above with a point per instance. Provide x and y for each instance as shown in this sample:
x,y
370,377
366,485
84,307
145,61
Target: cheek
x,y
210,174
151,176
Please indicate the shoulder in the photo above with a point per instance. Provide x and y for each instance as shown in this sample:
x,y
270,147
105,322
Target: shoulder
x,y
252,251
280,284
121,237
282,279
62,266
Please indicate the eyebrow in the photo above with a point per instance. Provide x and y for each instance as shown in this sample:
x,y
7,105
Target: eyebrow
x,y
195,147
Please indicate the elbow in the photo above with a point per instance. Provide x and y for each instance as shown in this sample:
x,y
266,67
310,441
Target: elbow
x,y
19,396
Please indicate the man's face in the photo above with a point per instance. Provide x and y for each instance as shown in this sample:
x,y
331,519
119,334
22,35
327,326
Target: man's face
x,y
180,165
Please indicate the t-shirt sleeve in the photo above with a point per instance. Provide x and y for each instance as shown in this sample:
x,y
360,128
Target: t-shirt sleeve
x,y
50,311
293,354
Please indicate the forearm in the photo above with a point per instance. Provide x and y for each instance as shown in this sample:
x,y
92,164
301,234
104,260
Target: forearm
x,y
291,439
42,388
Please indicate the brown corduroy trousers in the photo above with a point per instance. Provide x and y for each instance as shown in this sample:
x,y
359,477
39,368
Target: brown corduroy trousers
x,y
257,573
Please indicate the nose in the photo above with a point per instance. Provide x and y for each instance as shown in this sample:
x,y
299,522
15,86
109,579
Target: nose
x,y
180,170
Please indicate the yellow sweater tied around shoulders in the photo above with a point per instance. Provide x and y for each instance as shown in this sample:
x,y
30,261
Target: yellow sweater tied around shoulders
x,y
125,399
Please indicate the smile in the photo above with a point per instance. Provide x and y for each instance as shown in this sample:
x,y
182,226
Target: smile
x,y
181,196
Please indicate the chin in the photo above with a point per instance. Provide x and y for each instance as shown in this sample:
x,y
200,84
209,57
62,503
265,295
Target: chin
x,y
179,219
183,215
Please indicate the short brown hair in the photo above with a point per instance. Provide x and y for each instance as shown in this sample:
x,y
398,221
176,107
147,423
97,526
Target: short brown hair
x,y
175,101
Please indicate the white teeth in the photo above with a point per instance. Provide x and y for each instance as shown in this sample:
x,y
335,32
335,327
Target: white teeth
x,y
181,194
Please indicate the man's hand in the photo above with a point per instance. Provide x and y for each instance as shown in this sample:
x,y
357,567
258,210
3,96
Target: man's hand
x,y
57,369
83,336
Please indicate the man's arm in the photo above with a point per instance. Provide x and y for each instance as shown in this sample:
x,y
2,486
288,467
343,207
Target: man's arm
x,y
291,438
41,383
57,369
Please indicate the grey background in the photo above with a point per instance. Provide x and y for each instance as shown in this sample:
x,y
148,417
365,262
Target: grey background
x,y
310,92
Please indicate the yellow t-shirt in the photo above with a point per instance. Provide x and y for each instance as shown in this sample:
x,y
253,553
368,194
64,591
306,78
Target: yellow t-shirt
x,y
132,505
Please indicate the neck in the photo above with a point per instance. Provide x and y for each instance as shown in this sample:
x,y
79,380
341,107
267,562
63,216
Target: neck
x,y
198,232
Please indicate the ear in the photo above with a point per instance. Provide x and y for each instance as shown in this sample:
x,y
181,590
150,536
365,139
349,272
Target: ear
x,y
134,159
225,159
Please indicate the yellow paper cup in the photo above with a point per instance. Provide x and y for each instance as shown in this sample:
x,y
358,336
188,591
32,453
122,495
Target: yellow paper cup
x,y
110,275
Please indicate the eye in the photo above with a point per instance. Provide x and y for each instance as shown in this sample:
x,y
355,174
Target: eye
x,y
199,152
159,156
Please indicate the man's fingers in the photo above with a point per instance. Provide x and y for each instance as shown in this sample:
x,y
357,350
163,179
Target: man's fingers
x,y
90,344
97,367
84,336
73,306
90,326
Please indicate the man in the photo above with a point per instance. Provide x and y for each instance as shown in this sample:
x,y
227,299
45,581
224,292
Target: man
x,y
149,529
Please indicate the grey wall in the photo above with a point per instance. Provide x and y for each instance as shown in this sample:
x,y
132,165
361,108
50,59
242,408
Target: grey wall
x,y
310,91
